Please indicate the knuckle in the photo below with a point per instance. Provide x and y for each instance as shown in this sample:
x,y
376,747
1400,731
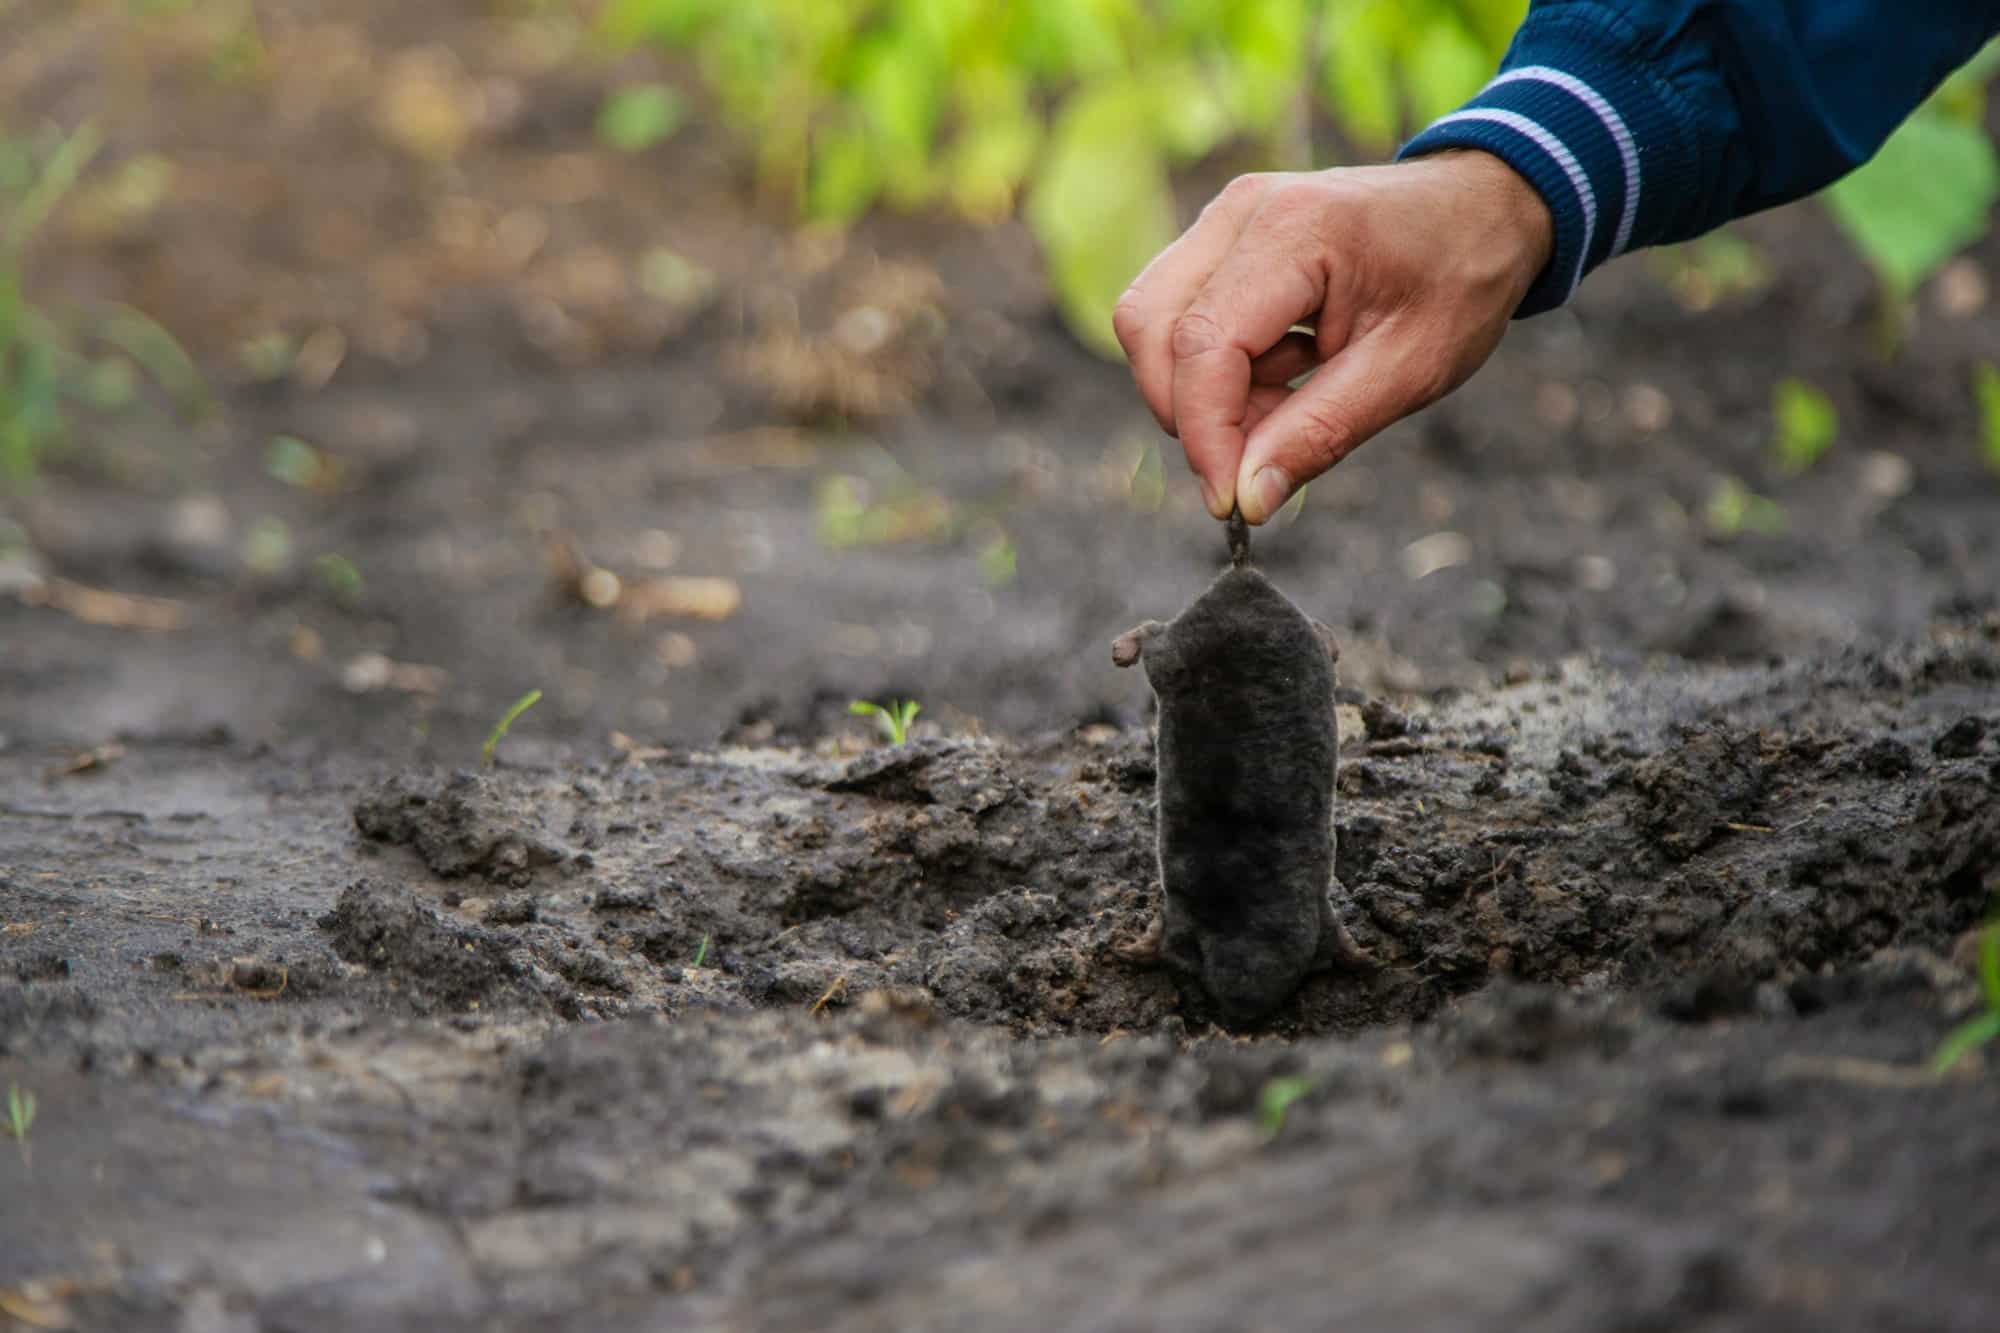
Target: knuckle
x,y
1431,378
1242,192
1297,198
1323,437
1198,333
1128,318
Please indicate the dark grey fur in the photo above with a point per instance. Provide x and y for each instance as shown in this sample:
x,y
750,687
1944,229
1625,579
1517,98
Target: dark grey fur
x,y
1247,752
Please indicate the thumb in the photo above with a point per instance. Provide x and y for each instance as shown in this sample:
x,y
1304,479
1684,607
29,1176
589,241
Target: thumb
x,y
1365,388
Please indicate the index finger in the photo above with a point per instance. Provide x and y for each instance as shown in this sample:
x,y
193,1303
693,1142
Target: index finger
x,y
1268,283
1146,314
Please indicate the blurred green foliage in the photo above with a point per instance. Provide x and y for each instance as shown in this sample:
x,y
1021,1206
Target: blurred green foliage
x,y
1986,396
1734,509
1930,191
1079,108
1984,1027
634,119
1806,421
46,366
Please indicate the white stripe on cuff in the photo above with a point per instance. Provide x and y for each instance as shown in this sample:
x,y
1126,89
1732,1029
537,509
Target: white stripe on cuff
x,y
1556,150
1614,125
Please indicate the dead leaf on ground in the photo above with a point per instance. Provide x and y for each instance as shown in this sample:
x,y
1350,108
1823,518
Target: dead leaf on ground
x,y
696,598
40,1302
371,672
100,606
776,447
96,758
634,752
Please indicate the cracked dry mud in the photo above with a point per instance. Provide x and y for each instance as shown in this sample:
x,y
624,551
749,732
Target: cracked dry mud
x,y
765,1037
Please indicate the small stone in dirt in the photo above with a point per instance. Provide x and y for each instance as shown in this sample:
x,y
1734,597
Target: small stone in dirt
x,y
625,898
467,826
1512,1020
1888,758
1382,721
439,962
1711,778
255,974
1704,999
42,967
516,909
1962,740
962,775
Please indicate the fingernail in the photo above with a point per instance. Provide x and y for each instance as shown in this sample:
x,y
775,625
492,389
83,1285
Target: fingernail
x,y
1209,497
1269,490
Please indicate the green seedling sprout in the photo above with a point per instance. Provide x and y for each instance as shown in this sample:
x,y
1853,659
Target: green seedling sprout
x,y
507,719
1981,1029
20,1115
894,719
635,119
1806,424
1276,1099
701,954
1986,393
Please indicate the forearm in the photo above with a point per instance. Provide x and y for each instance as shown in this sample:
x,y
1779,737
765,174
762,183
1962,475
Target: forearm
x,y
1653,121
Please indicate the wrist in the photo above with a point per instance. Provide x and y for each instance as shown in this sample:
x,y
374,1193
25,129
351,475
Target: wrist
x,y
1509,229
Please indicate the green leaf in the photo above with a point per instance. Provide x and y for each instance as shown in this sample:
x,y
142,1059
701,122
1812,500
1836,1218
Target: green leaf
x,y
1989,965
635,119
1963,95
1806,423
1493,22
1359,82
1149,480
1967,1036
293,461
1923,198
1444,67
505,724
57,176
998,562
1101,206
987,164
341,577
1193,117
1986,392
1277,1098
1734,508
1268,46
1065,39
160,355
845,177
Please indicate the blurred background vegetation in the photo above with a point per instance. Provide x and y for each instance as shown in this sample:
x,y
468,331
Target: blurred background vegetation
x,y
1078,112
361,319
1072,114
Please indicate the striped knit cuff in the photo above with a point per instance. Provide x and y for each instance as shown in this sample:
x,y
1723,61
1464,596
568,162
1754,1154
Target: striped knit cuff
x,y
1605,141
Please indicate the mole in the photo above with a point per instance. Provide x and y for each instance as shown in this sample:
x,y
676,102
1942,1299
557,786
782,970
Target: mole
x,y
1247,751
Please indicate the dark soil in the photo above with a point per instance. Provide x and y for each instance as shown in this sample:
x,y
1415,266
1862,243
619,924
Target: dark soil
x,y
704,1009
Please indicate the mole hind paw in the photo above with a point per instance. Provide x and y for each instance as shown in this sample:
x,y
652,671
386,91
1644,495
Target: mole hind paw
x,y
1337,949
1148,947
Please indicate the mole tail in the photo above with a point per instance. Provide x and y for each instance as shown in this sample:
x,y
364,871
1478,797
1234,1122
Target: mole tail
x,y
1239,538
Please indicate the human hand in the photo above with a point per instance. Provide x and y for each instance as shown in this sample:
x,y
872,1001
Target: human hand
x,y
1407,273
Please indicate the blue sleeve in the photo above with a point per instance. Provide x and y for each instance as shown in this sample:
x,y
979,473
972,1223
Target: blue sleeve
x,y
1642,122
